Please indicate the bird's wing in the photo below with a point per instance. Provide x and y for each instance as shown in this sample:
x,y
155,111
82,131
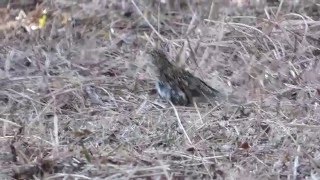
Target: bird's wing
x,y
199,87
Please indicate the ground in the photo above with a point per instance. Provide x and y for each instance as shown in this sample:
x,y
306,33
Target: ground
x,y
78,103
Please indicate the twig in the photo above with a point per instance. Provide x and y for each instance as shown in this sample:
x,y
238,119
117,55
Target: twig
x,y
9,122
141,14
198,112
296,163
179,122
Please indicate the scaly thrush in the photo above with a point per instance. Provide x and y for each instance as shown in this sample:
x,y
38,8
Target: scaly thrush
x,y
176,84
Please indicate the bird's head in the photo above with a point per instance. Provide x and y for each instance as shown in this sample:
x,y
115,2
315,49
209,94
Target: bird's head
x,y
158,58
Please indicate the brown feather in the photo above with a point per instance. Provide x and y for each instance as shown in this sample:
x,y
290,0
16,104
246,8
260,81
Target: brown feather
x,y
179,80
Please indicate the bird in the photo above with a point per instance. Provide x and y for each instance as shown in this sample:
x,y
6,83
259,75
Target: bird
x,y
176,84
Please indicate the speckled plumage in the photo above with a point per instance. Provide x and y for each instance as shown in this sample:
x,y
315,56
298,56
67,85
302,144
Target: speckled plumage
x,y
176,84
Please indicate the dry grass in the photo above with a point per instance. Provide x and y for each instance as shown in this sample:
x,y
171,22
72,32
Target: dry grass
x,y
76,103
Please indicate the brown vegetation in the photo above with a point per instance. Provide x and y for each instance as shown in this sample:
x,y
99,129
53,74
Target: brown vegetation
x,y
76,101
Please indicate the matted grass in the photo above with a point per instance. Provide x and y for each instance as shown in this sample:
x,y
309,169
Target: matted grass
x,y
76,102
